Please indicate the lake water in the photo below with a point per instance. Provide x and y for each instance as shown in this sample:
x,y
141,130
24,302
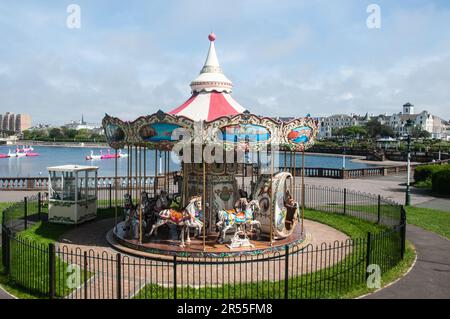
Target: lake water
x,y
52,156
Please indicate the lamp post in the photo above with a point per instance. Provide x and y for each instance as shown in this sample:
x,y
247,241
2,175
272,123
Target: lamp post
x,y
408,165
439,156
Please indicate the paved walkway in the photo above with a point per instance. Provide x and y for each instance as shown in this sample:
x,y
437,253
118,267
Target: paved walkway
x,y
15,196
437,203
5,295
136,272
430,277
391,187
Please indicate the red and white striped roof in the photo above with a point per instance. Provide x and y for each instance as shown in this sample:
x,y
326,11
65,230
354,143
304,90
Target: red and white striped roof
x,y
211,90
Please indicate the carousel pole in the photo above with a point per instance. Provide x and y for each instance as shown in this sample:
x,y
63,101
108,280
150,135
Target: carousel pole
x,y
183,197
303,188
204,202
290,163
128,170
145,168
271,199
155,181
166,170
115,191
294,168
188,167
140,191
162,160
258,162
169,173
136,174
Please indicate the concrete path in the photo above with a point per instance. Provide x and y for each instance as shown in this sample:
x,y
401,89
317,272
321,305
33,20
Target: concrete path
x,y
15,196
5,295
437,203
430,277
391,187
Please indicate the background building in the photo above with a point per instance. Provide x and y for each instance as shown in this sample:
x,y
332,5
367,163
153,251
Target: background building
x,y
437,127
82,125
10,122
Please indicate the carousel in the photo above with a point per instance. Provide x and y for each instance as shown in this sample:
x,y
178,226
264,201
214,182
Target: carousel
x,y
233,196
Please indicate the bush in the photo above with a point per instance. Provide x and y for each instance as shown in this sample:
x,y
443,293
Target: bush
x,y
441,182
424,173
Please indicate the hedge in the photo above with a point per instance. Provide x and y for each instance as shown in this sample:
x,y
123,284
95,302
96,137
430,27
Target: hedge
x,y
424,173
441,182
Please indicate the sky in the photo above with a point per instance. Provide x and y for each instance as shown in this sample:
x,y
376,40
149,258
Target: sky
x,y
285,57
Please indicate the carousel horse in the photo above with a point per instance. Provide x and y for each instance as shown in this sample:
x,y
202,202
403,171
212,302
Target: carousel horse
x,y
187,218
152,206
128,210
132,220
147,206
231,219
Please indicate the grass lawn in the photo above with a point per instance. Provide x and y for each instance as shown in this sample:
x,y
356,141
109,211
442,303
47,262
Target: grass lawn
x,y
30,267
3,205
351,226
430,219
307,285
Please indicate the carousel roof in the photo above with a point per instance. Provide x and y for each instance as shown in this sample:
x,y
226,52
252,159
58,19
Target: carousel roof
x,y
211,90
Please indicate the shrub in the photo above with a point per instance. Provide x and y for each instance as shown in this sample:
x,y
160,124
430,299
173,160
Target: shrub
x,y
441,182
424,173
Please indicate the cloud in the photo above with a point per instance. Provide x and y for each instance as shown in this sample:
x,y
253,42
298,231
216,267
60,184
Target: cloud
x,y
285,59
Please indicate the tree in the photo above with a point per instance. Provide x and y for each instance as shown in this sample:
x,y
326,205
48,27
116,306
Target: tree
x,y
352,131
55,133
387,131
417,132
70,133
376,129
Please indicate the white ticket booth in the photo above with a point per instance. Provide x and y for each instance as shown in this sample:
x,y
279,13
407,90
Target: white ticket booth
x,y
72,191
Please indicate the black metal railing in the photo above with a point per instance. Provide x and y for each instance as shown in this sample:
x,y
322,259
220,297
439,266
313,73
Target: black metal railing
x,y
328,270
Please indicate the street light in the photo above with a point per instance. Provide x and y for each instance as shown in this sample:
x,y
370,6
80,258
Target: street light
x,y
408,165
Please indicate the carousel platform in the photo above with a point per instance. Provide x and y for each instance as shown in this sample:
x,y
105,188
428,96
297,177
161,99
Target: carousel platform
x,y
166,247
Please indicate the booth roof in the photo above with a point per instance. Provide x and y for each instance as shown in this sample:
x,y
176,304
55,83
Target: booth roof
x,y
72,168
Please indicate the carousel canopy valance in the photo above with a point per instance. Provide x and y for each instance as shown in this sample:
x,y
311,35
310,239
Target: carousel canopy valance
x,y
162,130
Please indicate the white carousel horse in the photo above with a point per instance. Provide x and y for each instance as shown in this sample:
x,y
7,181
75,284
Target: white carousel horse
x,y
229,219
188,218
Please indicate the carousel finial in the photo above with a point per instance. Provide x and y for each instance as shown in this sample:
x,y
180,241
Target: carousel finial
x,y
211,37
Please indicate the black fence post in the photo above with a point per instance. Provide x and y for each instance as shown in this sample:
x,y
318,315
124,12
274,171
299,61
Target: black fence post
x,y
85,280
6,248
368,249
379,210
345,201
51,271
286,272
119,275
174,277
110,195
25,212
39,206
403,231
